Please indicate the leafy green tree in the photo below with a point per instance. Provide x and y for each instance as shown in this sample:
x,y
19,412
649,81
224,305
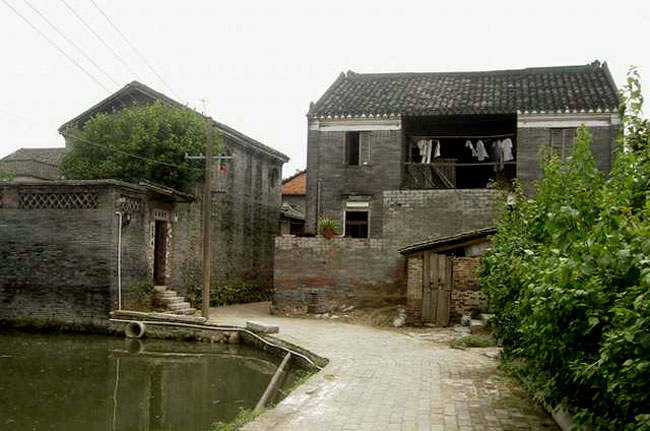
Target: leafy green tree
x,y
6,175
142,142
568,279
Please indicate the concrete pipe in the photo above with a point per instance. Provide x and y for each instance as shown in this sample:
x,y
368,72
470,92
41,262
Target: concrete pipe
x,y
134,329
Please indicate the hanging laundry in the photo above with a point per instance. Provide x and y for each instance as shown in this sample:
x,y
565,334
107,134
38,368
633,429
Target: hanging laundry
x,y
497,152
468,144
436,153
506,147
480,151
424,145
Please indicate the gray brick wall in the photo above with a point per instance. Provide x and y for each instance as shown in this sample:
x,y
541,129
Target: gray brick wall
x,y
340,272
415,215
57,264
245,220
363,272
531,140
326,163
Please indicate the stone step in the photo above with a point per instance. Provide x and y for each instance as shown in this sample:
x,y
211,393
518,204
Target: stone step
x,y
178,305
183,312
160,288
167,294
172,300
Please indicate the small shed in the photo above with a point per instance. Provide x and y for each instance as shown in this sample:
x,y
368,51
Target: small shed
x,y
441,272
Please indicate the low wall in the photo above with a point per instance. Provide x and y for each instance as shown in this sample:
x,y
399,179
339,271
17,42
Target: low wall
x,y
57,253
336,273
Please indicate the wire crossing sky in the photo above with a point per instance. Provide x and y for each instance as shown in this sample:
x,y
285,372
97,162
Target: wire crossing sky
x,y
259,63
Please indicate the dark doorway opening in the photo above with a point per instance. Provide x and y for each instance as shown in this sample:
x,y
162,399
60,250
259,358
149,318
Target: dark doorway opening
x,y
160,253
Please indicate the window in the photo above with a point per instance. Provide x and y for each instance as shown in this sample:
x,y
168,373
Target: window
x,y
352,148
562,142
356,219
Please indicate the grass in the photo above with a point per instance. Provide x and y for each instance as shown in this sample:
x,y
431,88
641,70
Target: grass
x,y
243,417
473,341
247,415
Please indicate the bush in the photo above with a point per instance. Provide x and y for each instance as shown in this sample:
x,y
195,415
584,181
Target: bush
x,y
568,279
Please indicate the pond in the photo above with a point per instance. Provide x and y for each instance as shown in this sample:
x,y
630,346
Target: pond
x,y
94,382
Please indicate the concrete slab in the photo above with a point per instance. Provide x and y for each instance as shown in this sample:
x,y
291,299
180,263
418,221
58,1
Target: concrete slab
x,y
262,328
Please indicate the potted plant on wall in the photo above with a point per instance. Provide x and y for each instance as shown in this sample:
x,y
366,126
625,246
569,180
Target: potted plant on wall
x,y
328,227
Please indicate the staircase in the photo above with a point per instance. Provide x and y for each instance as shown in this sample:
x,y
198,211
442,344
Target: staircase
x,y
172,303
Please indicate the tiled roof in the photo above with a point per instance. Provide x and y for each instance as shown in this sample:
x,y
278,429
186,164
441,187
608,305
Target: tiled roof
x,y
51,156
289,211
296,184
136,92
565,89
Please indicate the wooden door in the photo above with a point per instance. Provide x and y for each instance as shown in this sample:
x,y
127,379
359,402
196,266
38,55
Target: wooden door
x,y
437,282
160,253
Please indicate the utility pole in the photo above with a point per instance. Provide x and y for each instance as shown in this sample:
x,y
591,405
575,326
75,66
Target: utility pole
x,y
207,219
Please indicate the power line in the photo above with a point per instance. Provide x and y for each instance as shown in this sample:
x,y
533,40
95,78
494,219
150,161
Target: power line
x,y
115,54
71,42
135,50
58,48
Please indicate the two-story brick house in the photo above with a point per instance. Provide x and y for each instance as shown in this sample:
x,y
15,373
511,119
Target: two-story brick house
x,y
402,158
401,131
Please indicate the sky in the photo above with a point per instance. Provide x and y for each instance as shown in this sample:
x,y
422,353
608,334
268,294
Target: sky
x,y
258,64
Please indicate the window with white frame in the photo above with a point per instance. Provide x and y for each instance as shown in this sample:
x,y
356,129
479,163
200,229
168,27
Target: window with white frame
x,y
357,220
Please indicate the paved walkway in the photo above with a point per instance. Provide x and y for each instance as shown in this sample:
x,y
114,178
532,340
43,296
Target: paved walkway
x,y
389,380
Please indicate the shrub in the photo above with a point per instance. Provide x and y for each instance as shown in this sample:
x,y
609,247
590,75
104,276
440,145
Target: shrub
x,y
568,279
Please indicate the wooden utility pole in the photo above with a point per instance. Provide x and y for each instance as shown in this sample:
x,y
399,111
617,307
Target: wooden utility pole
x,y
207,219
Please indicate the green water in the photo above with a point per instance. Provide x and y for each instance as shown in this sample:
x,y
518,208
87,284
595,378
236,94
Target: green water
x,y
91,382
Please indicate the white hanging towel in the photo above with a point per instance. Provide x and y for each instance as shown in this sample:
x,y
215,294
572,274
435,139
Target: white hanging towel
x,y
437,152
506,146
480,150
468,144
425,150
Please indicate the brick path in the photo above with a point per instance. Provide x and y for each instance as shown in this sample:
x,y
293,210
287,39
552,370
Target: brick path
x,y
389,380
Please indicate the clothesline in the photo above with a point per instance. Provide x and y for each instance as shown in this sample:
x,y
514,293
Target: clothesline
x,y
507,135
460,164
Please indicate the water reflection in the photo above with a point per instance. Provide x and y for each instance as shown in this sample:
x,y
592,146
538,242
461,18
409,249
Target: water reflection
x,y
75,382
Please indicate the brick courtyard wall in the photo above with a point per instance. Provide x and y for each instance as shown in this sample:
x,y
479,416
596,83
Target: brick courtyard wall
x,y
370,268
466,295
337,273
58,264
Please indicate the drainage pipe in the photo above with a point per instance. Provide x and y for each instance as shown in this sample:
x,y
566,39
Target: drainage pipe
x,y
119,260
226,328
270,389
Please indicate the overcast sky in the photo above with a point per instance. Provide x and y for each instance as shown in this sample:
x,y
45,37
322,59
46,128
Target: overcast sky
x,y
259,63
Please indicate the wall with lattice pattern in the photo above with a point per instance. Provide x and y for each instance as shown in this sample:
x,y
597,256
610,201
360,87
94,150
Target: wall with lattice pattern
x,y
57,200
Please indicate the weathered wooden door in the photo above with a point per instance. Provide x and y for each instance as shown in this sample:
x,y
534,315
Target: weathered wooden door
x,y
436,283
160,253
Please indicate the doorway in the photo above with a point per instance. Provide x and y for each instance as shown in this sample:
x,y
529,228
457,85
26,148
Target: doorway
x,y
160,253
436,284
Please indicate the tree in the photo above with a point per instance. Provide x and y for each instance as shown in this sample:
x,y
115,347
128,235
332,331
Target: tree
x,y
142,142
6,175
568,279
